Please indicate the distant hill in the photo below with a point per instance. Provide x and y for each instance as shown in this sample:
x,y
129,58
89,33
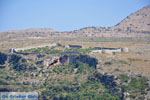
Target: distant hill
x,y
138,22
35,30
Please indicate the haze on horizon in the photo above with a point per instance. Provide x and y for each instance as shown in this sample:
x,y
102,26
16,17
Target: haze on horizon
x,y
65,15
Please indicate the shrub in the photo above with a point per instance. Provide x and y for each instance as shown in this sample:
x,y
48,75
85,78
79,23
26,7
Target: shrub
x,y
3,58
137,84
17,63
124,77
123,62
14,59
134,59
108,63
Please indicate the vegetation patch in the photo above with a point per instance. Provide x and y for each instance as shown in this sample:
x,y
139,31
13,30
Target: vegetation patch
x,y
3,58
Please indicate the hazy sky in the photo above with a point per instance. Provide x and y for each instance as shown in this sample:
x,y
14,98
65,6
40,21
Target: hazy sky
x,y
65,15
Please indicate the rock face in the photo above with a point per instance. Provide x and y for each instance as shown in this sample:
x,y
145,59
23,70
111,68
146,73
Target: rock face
x,y
75,59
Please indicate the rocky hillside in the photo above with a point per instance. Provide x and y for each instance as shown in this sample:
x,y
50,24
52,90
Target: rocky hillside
x,y
70,76
138,22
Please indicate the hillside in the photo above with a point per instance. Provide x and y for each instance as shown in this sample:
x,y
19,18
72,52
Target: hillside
x,y
59,73
138,22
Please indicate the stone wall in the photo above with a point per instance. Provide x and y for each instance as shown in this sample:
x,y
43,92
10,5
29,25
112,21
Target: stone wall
x,y
110,50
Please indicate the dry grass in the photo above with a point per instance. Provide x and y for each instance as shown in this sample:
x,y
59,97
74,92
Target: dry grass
x,y
137,50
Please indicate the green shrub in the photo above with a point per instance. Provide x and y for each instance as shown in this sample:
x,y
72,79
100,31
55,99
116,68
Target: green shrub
x,y
123,62
3,58
134,59
15,60
43,50
124,77
137,84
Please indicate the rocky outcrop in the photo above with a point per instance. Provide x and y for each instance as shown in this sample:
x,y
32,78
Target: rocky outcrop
x,y
75,59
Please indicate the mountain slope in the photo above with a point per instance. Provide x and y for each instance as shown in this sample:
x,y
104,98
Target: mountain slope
x,y
138,21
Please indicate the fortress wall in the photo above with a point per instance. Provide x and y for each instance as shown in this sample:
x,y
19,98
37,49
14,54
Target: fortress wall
x,y
124,49
110,50
33,47
96,51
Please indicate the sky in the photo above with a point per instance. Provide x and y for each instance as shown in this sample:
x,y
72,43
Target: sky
x,y
65,15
